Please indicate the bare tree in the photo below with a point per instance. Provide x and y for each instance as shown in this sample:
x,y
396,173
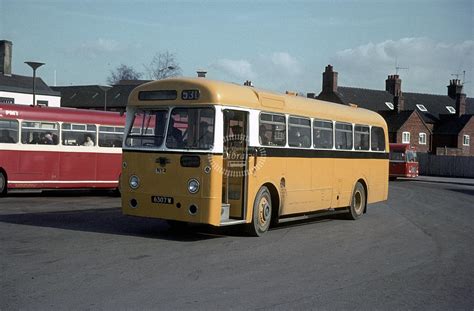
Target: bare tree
x,y
163,65
123,72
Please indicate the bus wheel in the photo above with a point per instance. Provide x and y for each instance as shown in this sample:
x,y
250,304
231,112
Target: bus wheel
x,y
3,184
262,213
358,202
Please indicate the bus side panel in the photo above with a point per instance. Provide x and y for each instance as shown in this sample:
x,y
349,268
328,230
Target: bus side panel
x,y
378,181
301,196
265,170
38,166
322,182
78,166
9,162
344,180
109,166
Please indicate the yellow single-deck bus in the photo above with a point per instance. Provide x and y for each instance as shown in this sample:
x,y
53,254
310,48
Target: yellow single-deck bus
x,y
202,151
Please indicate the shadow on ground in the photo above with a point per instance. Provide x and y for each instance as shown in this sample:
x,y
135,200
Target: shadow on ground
x,y
111,221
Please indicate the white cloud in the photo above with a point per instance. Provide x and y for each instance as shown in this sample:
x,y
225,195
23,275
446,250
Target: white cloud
x,y
431,64
284,61
100,46
237,69
278,71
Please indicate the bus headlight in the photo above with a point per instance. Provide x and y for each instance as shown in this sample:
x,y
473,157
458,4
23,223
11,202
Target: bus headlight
x,y
134,182
193,186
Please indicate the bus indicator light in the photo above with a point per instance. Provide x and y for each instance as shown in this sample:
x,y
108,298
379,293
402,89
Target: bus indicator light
x,y
134,182
193,186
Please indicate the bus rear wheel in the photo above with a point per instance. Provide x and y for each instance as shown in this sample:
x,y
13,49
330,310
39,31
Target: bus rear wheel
x,y
3,184
358,202
262,213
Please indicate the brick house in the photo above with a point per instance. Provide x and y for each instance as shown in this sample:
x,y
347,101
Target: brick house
x,y
453,132
411,117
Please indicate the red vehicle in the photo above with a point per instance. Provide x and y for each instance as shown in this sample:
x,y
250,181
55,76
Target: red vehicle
x,y
403,161
56,148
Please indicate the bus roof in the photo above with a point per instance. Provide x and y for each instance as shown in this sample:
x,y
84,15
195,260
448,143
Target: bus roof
x,y
39,113
230,94
398,146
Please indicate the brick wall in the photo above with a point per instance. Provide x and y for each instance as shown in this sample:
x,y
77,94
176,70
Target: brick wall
x,y
467,130
415,126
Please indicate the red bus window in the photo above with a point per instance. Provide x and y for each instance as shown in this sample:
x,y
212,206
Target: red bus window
x,y
43,133
8,131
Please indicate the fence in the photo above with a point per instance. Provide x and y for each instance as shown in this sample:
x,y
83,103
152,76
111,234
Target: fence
x,y
449,166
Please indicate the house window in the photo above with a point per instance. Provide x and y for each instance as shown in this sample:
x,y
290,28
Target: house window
x,y
465,140
451,109
406,137
421,107
389,105
422,139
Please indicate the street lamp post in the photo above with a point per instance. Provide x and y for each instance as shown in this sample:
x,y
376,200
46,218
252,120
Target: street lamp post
x,y
34,66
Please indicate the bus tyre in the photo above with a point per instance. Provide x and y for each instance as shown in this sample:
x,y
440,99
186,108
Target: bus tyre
x,y
3,184
262,213
358,202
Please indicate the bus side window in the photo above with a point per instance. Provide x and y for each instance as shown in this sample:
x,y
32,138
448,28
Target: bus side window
x,y
43,133
272,129
299,132
377,139
322,134
110,136
78,134
343,136
8,131
361,137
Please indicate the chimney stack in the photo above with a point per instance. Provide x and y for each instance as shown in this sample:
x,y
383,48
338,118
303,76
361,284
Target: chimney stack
x,y
393,85
398,103
454,88
329,80
201,73
6,57
455,92
311,95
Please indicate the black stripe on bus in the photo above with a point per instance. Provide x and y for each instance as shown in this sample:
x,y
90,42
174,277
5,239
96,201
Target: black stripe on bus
x,y
287,153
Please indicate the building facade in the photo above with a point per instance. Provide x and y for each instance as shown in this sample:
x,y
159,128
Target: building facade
x,y
16,89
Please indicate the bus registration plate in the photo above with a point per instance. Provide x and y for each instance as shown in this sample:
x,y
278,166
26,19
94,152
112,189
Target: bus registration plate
x,y
162,200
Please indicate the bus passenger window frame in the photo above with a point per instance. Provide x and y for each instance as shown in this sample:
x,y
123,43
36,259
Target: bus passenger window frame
x,y
272,123
301,142
381,138
337,144
361,147
323,129
26,130
6,136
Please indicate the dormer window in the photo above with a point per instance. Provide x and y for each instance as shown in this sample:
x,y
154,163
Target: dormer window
x,y
421,107
451,109
389,105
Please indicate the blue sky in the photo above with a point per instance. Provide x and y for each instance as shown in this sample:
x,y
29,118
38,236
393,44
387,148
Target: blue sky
x,y
279,45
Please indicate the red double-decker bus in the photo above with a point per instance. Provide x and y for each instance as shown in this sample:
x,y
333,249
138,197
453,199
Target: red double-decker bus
x,y
403,161
59,148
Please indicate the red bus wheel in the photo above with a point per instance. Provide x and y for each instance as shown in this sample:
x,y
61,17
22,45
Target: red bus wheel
x,y
3,184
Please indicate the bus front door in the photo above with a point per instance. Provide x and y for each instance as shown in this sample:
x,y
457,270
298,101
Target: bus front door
x,y
235,163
